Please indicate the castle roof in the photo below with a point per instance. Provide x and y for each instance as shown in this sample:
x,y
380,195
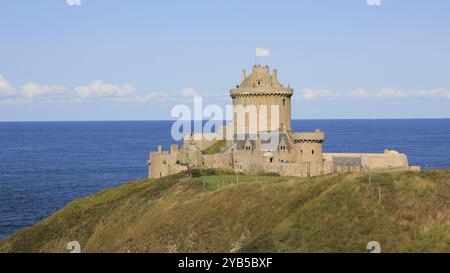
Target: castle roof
x,y
261,81
261,77
282,138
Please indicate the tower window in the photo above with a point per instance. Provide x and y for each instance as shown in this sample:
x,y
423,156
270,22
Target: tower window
x,y
284,102
312,152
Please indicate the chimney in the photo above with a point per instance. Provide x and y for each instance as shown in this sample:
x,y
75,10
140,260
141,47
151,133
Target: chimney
x,y
243,75
275,75
159,149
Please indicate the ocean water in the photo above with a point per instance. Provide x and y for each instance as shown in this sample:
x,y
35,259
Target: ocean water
x,y
45,165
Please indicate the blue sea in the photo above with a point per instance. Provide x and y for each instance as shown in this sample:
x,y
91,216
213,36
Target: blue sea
x,y
45,165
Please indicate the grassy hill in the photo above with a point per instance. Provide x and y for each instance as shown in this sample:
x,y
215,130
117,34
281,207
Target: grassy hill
x,y
211,211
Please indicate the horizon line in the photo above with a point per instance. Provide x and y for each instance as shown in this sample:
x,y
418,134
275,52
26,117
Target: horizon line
x,y
131,120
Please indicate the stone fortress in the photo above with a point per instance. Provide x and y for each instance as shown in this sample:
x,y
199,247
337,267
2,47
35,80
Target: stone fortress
x,y
266,144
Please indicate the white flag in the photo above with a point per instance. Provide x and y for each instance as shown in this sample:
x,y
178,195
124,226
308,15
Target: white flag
x,y
262,52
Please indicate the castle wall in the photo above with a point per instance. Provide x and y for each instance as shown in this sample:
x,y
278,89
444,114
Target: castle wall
x,y
308,152
286,156
354,162
244,161
164,163
390,161
305,169
282,163
218,161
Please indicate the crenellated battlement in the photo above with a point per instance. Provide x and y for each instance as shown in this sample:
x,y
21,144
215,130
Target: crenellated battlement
x,y
162,163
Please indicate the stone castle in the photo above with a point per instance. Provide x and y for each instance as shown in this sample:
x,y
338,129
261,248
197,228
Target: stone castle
x,y
265,142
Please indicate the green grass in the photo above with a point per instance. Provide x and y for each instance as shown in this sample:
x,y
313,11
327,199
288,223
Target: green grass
x,y
217,147
208,211
220,181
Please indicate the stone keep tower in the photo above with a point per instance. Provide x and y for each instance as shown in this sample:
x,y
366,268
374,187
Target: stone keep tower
x,y
261,91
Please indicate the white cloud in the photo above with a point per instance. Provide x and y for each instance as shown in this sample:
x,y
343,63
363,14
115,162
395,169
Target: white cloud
x,y
397,93
98,89
149,97
32,90
435,93
309,94
358,93
374,2
189,93
6,88
384,93
390,93
125,93
160,96
155,95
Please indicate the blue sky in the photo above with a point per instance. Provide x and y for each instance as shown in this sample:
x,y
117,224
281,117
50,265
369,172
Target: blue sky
x,y
134,60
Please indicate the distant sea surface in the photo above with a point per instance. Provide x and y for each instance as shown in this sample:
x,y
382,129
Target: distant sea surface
x,y
45,165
